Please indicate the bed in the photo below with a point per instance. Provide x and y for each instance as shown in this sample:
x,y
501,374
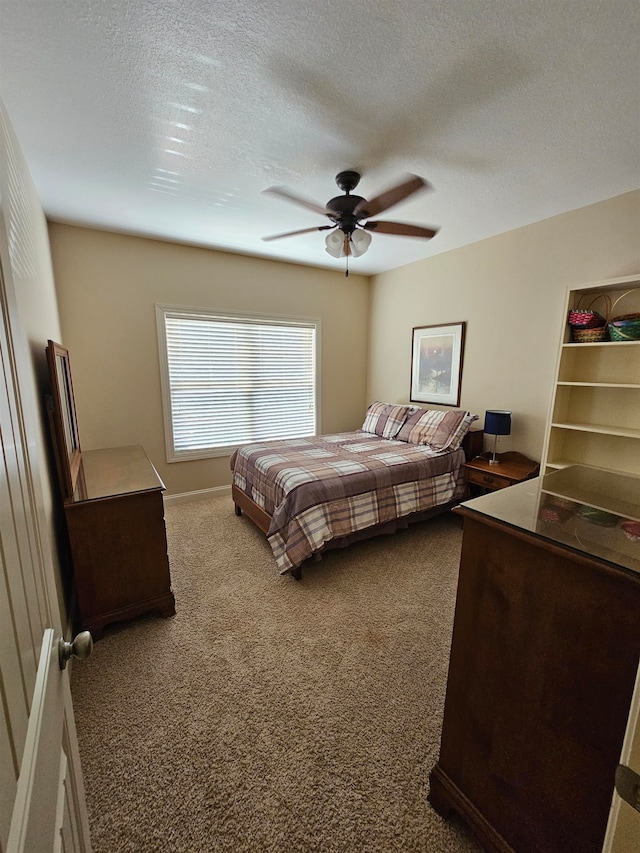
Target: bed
x,y
315,493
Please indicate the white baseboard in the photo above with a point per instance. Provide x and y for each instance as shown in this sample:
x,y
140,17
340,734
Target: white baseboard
x,y
201,495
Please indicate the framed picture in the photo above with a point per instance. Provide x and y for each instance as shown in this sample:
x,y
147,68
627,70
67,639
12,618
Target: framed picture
x,y
436,364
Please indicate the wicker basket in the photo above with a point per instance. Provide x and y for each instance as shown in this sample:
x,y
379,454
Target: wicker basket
x,y
585,319
597,516
588,325
550,515
562,503
625,328
589,336
631,530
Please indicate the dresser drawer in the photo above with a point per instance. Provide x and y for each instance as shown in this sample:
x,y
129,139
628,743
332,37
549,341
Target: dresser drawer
x,y
486,479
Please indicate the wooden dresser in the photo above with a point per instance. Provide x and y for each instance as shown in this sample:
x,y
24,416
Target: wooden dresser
x,y
544,655
117,537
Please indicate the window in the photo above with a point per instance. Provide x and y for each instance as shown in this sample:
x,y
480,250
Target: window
x,y
230,379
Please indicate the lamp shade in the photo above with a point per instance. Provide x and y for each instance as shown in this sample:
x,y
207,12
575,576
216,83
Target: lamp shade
x,y
497,422
360,241
334,243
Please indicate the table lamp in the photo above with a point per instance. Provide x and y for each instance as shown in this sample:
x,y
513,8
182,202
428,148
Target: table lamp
x,y
496,422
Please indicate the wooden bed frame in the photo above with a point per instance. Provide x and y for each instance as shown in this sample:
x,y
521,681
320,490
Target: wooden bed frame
x,y
472,445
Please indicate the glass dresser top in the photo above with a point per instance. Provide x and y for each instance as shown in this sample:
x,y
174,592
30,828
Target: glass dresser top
x,y
114,471
590,510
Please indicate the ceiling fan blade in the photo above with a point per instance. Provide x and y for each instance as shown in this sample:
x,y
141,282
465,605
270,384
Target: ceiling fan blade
x,y
387,199
279,192
401,228
301,231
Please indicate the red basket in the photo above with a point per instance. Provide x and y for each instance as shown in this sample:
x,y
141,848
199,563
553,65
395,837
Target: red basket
x,y
588,318
585,319
631,530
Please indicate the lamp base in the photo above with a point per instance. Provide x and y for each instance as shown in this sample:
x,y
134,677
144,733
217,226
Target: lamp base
x,y
493,460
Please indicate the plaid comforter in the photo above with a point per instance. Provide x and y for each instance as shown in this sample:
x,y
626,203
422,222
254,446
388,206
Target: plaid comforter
x,y
321,488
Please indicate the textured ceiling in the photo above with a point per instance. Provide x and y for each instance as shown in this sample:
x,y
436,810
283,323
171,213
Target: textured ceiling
x,y
169,118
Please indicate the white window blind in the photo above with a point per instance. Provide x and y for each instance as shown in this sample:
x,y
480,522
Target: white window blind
x,y
232,380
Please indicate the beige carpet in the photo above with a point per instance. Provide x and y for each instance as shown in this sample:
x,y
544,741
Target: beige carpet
x,y
272,715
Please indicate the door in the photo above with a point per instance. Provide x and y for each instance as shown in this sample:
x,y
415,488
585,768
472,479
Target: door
x,y
623,829
46,815
28,596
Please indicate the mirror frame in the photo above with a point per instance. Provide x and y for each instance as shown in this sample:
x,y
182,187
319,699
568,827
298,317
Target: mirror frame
x,y
64,422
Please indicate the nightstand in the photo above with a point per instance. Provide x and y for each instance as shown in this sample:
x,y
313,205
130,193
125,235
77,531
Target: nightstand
x,y
512,468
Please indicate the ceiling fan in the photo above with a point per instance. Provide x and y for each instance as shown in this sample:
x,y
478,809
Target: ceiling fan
x,y
349,233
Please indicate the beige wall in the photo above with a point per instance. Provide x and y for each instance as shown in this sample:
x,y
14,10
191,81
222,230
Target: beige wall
x,y
26,266
108,285
510,290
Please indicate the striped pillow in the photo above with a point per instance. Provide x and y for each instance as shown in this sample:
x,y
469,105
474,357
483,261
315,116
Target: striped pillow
x,y
439,429
458,434
384,419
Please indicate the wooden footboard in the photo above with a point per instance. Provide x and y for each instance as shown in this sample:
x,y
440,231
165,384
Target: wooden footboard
x,y
244,504
260,518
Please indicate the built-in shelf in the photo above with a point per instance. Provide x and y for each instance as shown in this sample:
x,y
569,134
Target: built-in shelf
x,y
607,491
602,429
606,344
594,419
559,464
601,384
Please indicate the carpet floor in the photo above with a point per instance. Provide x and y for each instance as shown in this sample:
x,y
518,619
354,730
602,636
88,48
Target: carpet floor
x,y
269,714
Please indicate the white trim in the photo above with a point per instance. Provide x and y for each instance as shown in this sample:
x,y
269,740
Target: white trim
x,y
200,495
163,360
632,732
609,283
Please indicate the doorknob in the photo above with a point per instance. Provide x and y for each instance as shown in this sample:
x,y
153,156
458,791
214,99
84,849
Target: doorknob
x,y
81,647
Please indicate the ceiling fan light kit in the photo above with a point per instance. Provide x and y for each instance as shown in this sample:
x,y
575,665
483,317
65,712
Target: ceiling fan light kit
x,y
360,241
334,243
349,233
356,245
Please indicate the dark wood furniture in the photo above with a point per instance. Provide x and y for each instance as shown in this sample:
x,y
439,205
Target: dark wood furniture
x,y
543,662
472,443
512,467
115,516
117,537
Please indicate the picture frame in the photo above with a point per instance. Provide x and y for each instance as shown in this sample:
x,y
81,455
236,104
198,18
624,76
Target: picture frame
x,y
436,363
